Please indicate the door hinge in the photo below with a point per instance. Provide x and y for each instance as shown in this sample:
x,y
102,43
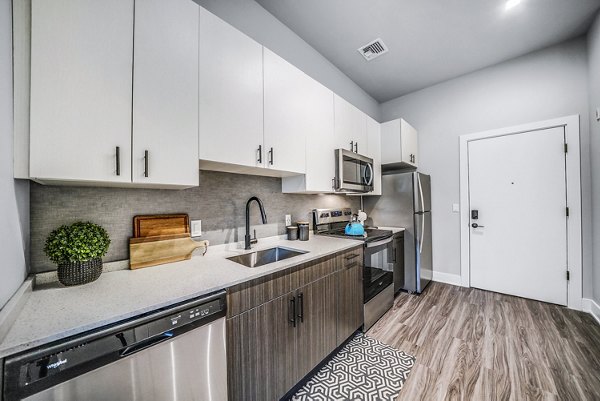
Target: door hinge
x,y
566,148
568,275
567,211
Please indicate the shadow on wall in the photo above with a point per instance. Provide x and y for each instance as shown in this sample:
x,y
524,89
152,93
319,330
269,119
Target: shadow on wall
x,y
219,201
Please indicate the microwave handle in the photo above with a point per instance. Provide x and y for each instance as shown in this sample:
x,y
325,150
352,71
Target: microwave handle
x,y
370,167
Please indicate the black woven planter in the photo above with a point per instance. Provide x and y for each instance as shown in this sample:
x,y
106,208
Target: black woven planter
x,y
76,273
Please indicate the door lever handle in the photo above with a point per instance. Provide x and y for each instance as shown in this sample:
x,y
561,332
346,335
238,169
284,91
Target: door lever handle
x,y
475,225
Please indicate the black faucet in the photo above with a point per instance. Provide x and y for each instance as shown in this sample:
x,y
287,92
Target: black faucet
x,y
263,215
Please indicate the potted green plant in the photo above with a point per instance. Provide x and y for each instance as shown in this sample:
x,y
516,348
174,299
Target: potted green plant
x,y
77,249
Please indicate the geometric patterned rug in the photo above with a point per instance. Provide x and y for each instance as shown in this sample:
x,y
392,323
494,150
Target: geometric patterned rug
x,y
364,369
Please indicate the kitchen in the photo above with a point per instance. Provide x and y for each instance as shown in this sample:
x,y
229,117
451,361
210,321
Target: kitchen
x,y
274,102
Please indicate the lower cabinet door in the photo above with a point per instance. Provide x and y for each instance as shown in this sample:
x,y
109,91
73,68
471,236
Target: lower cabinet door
x,y
316,315
261,350
350,300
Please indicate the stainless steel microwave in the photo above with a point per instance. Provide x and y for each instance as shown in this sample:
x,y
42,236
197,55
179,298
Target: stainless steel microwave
x,y
353,172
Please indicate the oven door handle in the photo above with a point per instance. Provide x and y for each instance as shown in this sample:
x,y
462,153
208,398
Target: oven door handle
x,y
380,242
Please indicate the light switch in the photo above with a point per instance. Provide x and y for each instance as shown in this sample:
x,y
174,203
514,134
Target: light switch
x,y
455,208
196,228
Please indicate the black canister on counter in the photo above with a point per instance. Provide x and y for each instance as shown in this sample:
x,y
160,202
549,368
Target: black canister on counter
x,y
302,230
292,233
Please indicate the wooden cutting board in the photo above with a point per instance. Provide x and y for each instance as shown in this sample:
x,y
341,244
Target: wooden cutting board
x,y
161,224
145,252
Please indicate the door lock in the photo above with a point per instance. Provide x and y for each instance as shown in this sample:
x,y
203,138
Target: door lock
x,y
475,225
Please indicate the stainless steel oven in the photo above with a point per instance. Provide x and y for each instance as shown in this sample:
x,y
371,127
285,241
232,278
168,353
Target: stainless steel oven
x,y
378,278
353,172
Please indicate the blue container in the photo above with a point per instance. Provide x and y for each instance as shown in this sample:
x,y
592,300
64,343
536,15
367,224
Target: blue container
x,y
355,229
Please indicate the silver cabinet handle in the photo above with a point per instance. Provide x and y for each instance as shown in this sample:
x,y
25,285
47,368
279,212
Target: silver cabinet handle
x,y
271,156
260,154
118,160
351,146
146,157
355,147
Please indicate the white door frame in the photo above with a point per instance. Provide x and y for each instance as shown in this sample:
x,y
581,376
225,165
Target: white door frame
x,y
573,174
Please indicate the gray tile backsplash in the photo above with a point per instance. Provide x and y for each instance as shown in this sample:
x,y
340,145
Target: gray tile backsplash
x,y
219,202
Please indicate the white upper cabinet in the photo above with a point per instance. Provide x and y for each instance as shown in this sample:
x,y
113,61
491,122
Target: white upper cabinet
x,y
301,107
81,62
399,144
374,152
97,98
165,93
288,114
350,126
231,94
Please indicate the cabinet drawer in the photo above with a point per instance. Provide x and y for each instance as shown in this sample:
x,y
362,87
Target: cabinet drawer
x,y
348,259
246,296
309,272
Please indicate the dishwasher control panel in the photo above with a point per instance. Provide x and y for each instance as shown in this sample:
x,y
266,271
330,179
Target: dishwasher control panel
x,y
184,317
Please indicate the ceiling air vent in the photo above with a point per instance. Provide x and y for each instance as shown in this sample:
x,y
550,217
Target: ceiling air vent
x,y
373,49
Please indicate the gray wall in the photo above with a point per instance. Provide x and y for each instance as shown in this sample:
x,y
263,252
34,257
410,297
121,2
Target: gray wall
x,y
256,22
14,195
219,201
594,91
546,84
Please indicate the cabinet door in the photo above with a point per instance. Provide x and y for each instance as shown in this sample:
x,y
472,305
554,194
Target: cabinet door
x,y
408,136
399,143
81,63
398,262
391,148
350,126
316,315
231,94
350,296
374,152
288,114
261,352
165,93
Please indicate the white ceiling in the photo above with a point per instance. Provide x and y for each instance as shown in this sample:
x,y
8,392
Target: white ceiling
x,y
429,41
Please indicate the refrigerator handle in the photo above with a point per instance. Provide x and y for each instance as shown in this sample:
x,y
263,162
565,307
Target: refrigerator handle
x,y
422,234
421,192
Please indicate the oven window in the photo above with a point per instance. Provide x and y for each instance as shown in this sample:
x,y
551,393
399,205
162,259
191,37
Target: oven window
x,y
380,257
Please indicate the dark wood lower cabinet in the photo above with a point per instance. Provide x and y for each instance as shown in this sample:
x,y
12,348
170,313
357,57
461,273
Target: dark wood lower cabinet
x,y
350,308
261,348
317,328
271,347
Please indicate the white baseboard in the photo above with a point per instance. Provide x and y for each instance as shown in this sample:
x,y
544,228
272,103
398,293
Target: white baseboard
x,y
591,307
447,278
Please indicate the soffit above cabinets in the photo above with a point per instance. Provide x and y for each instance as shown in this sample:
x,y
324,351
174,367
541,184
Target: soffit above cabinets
x,y
429,41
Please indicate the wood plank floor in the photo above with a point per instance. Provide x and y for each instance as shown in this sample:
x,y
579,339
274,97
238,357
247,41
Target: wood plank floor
x,y
478,345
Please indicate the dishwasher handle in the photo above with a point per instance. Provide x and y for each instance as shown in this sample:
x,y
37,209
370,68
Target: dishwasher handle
x,y
146,343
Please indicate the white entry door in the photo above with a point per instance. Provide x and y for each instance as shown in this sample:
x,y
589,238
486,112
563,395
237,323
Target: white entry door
x,y
518,242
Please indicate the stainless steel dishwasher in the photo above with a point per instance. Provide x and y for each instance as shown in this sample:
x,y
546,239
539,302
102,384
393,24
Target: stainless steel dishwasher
x,y
177,353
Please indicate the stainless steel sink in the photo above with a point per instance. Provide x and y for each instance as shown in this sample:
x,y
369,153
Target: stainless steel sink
x,y
266,256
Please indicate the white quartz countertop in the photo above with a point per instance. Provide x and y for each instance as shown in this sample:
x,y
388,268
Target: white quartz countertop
x,y
54,312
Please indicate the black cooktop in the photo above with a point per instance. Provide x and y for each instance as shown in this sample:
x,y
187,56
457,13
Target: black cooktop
x,y
371,234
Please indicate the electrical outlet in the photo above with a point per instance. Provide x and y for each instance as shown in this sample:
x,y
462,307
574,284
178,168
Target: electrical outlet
x,y
196,228
288,220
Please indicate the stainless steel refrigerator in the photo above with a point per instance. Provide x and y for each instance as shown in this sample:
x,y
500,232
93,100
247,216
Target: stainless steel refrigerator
x,y
406,202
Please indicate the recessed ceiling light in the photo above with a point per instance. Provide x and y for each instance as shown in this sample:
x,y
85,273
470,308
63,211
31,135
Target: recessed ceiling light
x,y
511,3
